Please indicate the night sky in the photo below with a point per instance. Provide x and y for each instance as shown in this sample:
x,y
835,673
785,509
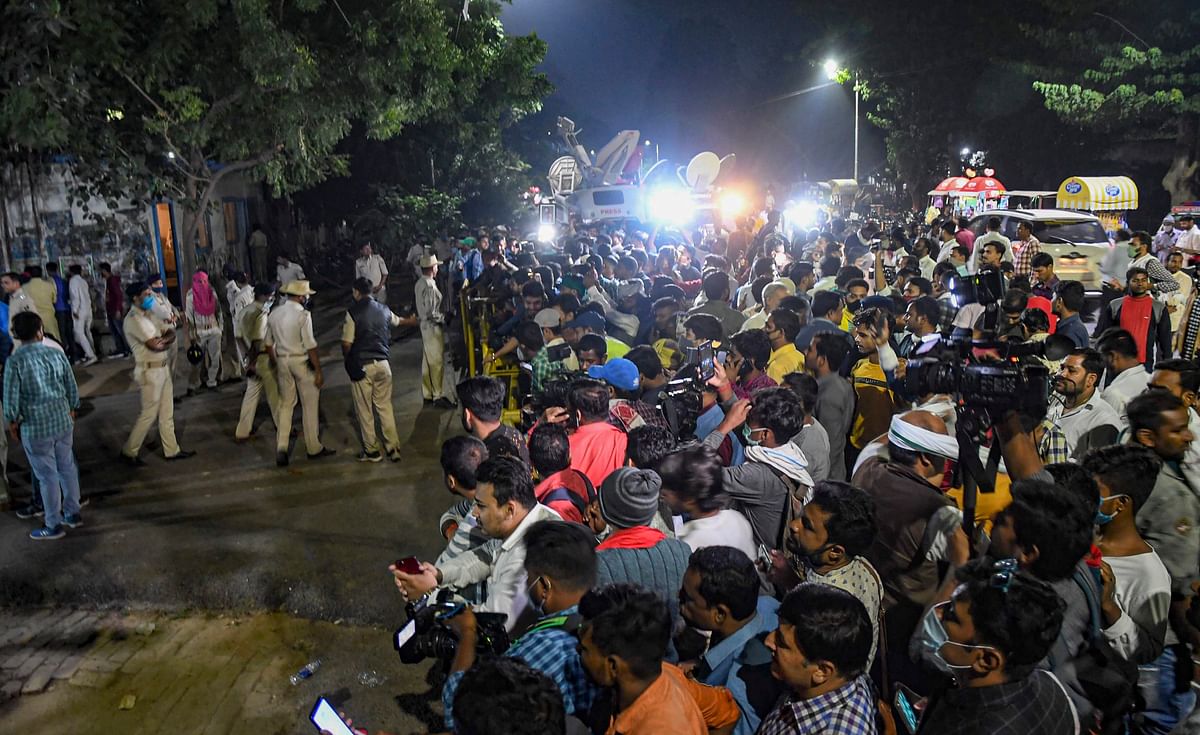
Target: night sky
x,y
698,75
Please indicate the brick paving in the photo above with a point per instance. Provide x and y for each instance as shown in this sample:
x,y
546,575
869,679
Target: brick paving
x,y
67,671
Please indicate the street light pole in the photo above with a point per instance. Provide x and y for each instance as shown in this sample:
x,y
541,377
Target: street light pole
x,y
856,126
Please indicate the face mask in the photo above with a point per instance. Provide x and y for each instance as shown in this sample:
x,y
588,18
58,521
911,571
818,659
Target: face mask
x,y
538,607
147,303
962,270
1132,251
747,434
1102,518
160,289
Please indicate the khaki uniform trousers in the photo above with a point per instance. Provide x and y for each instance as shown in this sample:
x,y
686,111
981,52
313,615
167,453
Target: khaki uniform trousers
x,y
432,361
296,379
375,392
263,381
157,404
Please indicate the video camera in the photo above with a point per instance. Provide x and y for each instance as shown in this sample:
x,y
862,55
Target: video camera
x,y
682,398
426,634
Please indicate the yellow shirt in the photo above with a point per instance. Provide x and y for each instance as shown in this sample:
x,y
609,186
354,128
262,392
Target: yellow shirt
x,y
987,505
847,320
616,348
876,404
786,359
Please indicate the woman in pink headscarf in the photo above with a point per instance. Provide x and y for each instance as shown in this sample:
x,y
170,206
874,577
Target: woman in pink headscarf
x,y
204,330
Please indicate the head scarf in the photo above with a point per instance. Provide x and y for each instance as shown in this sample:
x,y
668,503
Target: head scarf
x,y
204,299
922,441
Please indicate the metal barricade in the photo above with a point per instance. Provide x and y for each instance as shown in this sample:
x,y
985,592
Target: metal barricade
x,y
476,315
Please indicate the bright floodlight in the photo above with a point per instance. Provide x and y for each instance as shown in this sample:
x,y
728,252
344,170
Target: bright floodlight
x,y
546,232
732,204
672,206
802,214
831,69
965,151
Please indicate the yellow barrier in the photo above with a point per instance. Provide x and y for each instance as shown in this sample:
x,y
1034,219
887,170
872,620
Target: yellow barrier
x,y
476,320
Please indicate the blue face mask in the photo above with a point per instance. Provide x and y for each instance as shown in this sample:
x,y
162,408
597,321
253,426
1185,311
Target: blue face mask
x,y
148,303
962,270
1102,518
160,289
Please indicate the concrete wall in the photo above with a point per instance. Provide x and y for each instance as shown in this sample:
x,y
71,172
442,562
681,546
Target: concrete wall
x,y
126,237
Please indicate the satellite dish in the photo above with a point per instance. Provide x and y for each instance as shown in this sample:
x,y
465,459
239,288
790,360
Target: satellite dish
x,y
703,170
563,175
727,164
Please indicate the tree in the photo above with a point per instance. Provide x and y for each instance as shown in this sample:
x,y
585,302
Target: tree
x,y
1129,90
469,151
211,88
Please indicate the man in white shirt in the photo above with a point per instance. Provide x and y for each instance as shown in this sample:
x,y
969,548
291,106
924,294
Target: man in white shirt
x,y
372,267
692,487
287,271
1127,375
1177,300
1137,586
507,508
1182,379
1189,235
240,294
81,312
992,235
946,239
1085,418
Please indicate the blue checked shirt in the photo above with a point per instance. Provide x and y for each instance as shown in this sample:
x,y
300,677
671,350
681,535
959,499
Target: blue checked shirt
x,y
39,391
849,710
552,651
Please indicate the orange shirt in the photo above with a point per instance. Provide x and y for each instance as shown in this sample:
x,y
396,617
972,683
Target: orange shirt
x,y
678,705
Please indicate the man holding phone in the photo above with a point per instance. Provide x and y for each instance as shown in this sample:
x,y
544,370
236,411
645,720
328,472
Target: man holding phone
x,y
506,508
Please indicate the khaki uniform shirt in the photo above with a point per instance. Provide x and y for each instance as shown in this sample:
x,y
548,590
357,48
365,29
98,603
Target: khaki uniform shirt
x,y
290,330
140,327
373,269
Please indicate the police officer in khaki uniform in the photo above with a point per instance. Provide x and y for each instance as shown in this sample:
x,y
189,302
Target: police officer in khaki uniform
x,y
291,343
150,341
260,373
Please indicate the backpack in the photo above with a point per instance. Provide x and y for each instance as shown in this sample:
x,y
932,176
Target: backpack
x,y
562,493
1108,680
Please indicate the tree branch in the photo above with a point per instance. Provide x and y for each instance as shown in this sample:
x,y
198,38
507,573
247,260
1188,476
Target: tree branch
x,y
220,106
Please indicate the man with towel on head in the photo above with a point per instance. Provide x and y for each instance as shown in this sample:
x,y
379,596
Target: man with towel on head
x,y
918,526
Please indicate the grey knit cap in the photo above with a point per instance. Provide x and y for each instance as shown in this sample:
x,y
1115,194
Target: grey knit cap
x,y
629,497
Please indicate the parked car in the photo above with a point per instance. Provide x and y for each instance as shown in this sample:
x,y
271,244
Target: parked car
x,y
1075,239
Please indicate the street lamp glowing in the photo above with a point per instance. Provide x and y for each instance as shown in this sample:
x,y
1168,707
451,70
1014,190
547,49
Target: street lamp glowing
x,y
647,144
965,151
831,69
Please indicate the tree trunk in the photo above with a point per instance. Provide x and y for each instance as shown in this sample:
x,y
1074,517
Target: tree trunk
x,y
185,249
1182,179
37,215
5,225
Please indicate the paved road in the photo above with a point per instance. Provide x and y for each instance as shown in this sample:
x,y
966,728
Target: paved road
x,y
227,529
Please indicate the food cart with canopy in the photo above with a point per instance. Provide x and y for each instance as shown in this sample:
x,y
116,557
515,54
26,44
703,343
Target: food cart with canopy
x,y
979,194
1107,197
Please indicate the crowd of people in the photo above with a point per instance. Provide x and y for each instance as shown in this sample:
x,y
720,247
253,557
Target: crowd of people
x,y
729,509
729,506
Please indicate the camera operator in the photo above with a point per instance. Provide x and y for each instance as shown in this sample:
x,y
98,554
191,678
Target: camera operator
x,y
506,507
548,362
749,354
562,564
1084,417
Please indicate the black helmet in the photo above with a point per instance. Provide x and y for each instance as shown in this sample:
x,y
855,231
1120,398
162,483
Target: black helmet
x,y
195,355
